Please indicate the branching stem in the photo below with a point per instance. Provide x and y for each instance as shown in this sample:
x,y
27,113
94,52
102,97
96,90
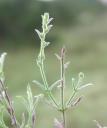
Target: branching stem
x,y
49,93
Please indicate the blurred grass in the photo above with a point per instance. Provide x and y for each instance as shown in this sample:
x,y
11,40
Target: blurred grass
x,y
86,49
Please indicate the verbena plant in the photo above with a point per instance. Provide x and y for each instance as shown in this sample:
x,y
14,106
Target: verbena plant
x,y
30,102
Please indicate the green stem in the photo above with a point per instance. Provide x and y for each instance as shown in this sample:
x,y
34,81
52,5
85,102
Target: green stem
x,y
62,84
62,88
46,85
70,99
63,114
43,76
53,99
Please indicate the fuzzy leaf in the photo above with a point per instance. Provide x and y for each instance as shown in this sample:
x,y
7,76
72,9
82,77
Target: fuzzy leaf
x,y
46,44
49,27
30,96
2,59
58,57
41,36
55,84
38,97
38,84
84,86
50,20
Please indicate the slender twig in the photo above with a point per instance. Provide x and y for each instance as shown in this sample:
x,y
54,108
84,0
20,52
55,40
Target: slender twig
x,y
62,84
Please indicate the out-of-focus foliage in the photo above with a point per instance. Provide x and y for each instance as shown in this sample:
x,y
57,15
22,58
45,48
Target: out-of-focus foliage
x,y
18,17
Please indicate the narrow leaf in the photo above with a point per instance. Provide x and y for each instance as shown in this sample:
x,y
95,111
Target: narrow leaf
x,y
39,34
49,27
58,57
39,84
37,98
84,86
2,58
50,20
55,84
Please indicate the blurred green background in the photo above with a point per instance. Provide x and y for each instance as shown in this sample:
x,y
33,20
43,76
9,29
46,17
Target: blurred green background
x,y
80,26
